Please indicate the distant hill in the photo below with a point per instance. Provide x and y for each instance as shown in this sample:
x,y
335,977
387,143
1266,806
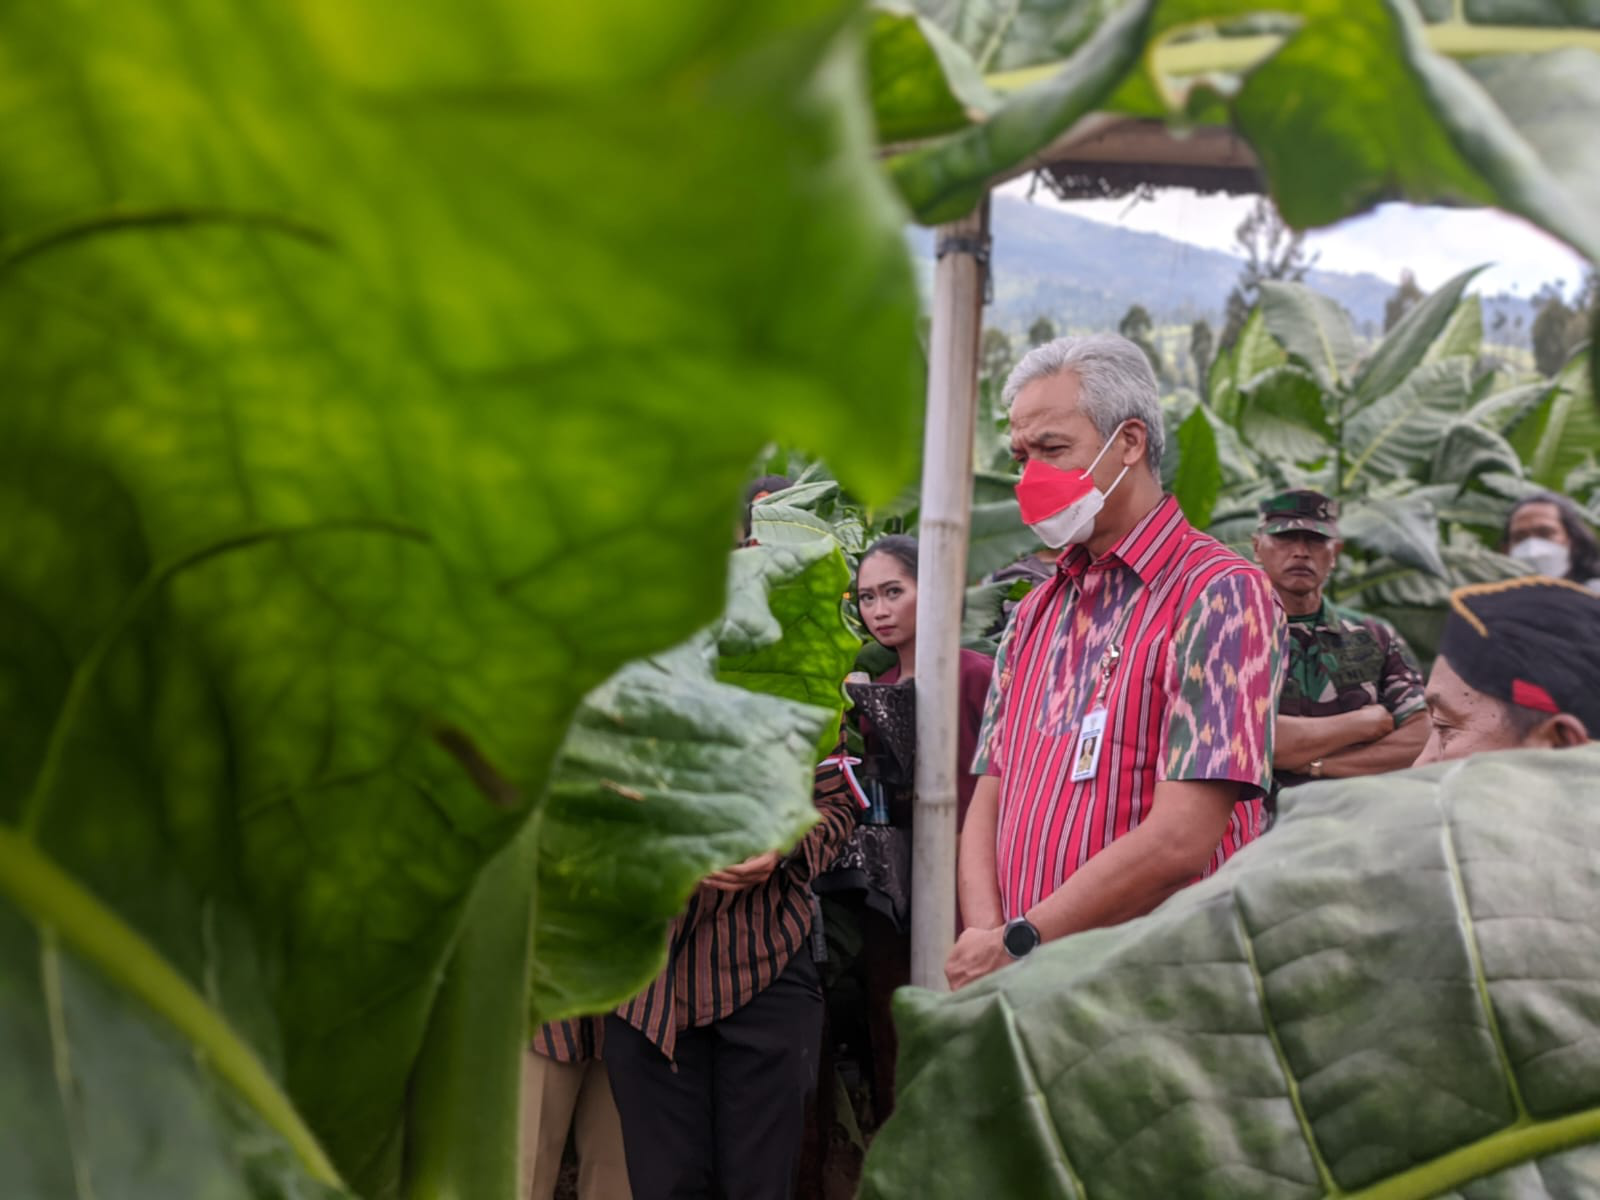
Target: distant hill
x,y
1084,274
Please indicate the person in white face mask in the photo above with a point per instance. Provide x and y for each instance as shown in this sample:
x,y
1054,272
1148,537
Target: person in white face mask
x,y
1549,534
1127,737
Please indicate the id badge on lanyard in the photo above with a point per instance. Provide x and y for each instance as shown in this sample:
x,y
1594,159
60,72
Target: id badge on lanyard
x,y
1092,729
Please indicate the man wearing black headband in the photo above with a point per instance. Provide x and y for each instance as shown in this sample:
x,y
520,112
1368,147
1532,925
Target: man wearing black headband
x,y
1516,669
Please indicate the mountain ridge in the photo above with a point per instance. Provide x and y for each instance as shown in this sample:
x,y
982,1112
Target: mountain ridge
x,y
1084,274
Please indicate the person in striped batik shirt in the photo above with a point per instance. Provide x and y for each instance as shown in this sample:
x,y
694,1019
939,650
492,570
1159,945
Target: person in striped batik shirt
x,y
713,1064
1127,738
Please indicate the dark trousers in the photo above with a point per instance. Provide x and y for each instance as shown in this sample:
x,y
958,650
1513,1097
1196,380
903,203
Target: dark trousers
x,y
723,1122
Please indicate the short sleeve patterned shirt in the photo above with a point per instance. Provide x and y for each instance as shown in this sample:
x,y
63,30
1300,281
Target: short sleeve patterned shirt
x,y
1191,696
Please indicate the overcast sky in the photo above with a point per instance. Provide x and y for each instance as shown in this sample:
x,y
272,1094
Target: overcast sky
x,y
1435,243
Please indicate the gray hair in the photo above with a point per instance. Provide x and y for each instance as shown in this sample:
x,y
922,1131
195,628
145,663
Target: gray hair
x,y
1114,379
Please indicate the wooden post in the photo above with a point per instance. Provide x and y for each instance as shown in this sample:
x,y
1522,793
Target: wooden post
x,y
958,295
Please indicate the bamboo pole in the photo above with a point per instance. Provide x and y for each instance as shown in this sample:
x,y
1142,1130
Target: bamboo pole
x,y
958,296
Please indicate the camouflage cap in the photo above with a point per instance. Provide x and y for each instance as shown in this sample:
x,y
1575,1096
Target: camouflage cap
x,y
1300,509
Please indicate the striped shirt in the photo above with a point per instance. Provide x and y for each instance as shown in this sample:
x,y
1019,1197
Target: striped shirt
x,y
576,1040
726,947
1191,697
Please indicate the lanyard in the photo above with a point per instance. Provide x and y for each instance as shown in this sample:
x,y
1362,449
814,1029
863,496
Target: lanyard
x,y
1113,651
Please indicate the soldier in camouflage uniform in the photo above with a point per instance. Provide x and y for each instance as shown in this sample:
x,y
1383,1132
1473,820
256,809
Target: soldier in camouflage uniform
x,y
1352,700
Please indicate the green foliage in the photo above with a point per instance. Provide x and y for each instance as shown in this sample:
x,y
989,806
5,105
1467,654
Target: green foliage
x,y
1408,344
1311,328
687,758
995,358
368,402
1381,110
1198,478
782,635
1563,432
922,83
1138,328
1202,343
1391,995
1424,458
997,537
1286,418
1378,111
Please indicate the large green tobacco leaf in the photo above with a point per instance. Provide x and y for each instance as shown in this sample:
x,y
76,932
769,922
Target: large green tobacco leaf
x,y
1389,583
1462,335
1283,416
665,776
1564,431
1237,462
681,764
1237,367
998,536
1391,435
1404,527
110,1055
1551,99
1504,411
1198,477
782,633
1523,127
1393,994
948,176
784,525
1311,327
1017,33
378,380
1467,450
1415,339
922,84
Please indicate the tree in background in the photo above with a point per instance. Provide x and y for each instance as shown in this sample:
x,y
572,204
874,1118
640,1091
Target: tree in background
x,y
1271,250
1406,297
1201,343
1137,326
995,356
1041,331
1559,327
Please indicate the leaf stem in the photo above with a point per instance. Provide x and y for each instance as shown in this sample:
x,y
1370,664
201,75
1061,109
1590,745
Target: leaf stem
x,y
1291,1084
1228,55
1517,1143
60,905
463,1125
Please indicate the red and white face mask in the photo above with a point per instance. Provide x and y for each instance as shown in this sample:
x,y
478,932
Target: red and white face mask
x,y
1060,506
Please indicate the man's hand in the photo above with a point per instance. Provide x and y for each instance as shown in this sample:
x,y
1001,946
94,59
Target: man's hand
x,y
977,952
1300,741
749,873
1394,751
1381,721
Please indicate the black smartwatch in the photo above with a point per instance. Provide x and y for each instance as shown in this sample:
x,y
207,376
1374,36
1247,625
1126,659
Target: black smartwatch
x,y
1019,937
